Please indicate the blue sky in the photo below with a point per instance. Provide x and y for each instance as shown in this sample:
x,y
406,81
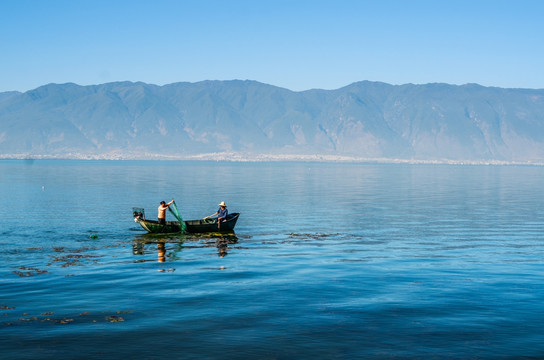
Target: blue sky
x,y
294,44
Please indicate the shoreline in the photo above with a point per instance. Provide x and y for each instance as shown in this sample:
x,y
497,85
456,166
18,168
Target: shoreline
x,y
239,157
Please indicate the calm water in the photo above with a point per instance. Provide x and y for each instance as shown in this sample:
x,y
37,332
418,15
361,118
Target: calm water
x,y
329,261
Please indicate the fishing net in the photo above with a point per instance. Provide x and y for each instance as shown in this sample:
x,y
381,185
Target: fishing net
x,y
174,210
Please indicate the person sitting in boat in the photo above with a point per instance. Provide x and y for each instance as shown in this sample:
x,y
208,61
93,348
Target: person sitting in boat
x,y
221,213
162,211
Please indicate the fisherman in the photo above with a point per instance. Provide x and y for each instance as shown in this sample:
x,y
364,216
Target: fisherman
x,y
221,213
162,211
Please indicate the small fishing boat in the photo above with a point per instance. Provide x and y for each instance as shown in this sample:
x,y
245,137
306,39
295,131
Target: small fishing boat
x,y
190,226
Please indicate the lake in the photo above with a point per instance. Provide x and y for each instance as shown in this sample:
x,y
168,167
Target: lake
x,y
328,261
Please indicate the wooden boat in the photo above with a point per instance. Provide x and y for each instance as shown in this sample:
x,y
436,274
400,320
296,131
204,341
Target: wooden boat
x,y
192,226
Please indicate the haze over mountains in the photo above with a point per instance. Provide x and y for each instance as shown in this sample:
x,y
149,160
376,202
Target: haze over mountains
x,y
248,120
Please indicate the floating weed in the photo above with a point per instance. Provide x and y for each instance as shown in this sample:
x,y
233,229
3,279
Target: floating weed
x,y
72,259
6,307
29,271
63,257
114,318
316,236
83,317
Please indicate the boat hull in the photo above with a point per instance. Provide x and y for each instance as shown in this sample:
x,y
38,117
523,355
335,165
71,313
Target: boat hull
x,y
192,226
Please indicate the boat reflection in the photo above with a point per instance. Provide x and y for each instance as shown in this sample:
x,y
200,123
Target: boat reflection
x,y
169,247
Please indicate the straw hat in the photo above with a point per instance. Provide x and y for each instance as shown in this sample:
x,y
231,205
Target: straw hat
x,y
222,203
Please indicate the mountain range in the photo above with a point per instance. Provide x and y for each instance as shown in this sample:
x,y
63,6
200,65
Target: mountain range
x,y
248,119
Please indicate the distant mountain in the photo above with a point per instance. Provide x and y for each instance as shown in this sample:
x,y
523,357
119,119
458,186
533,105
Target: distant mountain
x,y
366,120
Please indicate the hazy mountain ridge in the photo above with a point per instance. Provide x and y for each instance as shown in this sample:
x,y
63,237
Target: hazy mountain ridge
x,y
368,120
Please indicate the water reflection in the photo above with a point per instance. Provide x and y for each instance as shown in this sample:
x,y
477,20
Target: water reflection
x,y
142,246
222,243
161,251
146,244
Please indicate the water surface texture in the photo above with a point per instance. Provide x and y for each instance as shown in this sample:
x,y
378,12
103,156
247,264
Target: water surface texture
x,y
329,261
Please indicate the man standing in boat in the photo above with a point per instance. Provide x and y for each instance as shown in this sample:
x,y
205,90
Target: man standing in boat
x,y
221,213
162,211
